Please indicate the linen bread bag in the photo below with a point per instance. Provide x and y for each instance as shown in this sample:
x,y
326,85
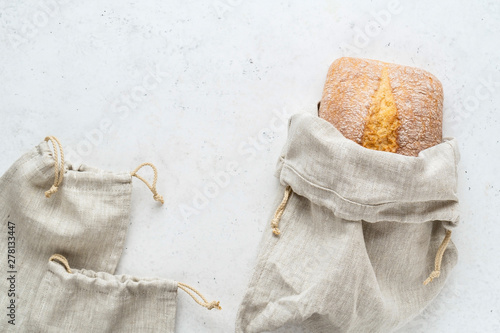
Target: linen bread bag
x,y
82,300
48,205
358,230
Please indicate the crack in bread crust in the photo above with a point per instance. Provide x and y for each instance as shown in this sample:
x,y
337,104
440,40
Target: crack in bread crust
x,y
382,122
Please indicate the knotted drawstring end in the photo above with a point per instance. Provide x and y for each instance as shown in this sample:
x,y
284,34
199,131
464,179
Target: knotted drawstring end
x,y
432,276
203,302
214,305
53,189
152,186
439,258
274,224
159,198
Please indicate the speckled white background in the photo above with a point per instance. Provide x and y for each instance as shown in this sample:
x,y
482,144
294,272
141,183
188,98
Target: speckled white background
x,y
225,70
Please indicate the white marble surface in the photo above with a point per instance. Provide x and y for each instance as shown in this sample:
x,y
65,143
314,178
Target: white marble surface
x,y
224,69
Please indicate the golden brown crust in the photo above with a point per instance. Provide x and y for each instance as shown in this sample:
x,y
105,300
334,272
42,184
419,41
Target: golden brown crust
x,y
357,101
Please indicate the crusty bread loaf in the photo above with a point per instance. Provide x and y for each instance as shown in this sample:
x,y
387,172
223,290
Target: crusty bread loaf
x,y
383,106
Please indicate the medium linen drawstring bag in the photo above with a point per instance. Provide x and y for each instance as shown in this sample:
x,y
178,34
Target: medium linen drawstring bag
x,y
82,300
48,205
361,239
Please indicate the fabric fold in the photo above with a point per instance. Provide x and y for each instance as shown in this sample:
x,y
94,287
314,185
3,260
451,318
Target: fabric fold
x,y
318,162
88,301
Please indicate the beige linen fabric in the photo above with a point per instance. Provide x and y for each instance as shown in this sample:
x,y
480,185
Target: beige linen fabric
x,y
86,220
86,301
359,235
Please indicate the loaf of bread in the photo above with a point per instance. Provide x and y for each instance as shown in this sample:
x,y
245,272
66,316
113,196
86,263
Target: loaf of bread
x,y
383,106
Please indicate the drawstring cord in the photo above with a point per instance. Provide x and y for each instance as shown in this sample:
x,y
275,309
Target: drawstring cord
x,y
59,171
62,260
205,303
187,288
279,211
152,187
439,257
58,167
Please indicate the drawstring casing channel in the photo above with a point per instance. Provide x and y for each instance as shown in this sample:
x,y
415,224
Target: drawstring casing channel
x,y
186,288
439,255
59,169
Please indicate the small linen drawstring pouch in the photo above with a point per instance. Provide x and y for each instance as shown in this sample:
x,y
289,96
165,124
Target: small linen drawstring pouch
x,y
82,300
48,205
361,239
